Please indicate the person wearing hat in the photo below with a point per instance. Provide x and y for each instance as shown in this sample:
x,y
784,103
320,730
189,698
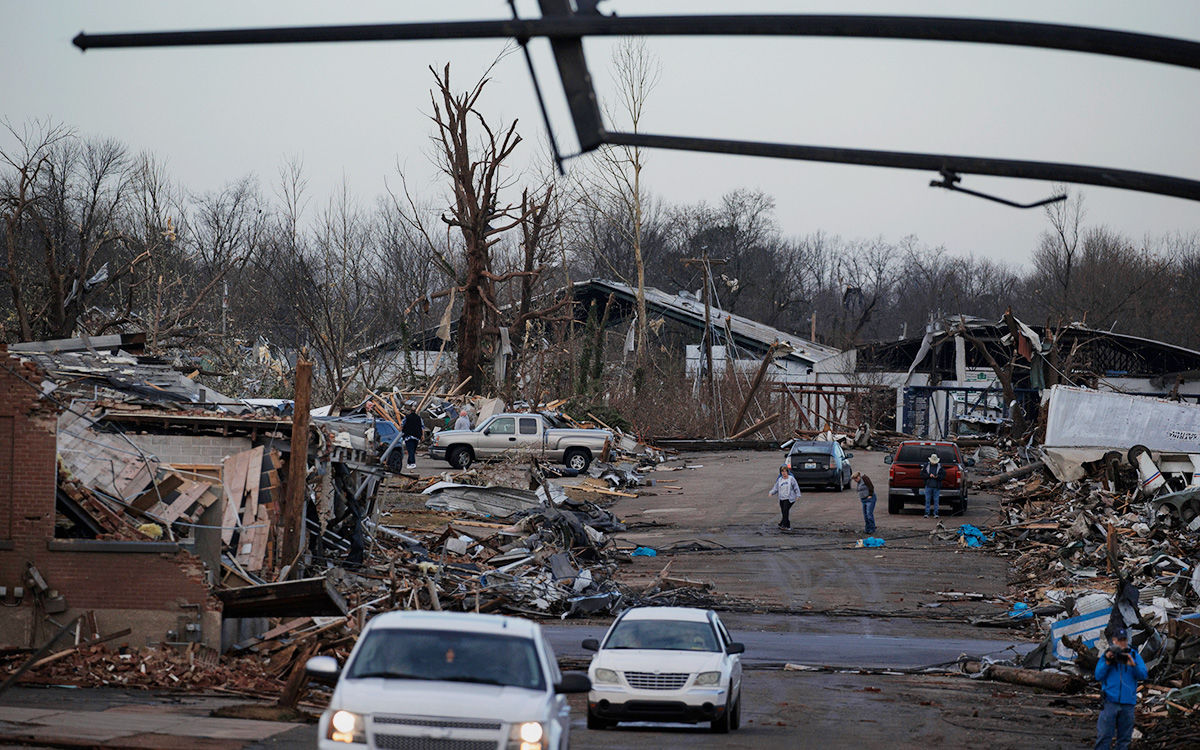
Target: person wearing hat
x,y
934,474
789,493
1118,673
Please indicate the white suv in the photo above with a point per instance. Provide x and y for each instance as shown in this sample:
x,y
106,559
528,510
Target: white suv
x,y
415,679
666,664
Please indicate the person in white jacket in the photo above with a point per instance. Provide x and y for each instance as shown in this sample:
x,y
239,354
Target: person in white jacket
x,y
788,492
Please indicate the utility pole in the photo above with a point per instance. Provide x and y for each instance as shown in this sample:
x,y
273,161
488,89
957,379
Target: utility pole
x,y
707,263
296,496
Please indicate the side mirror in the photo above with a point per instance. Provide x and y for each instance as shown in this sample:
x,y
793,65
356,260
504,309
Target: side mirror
x,y
970,462
887,459
590,644
735,648
487,431
573,682
849,455
323,669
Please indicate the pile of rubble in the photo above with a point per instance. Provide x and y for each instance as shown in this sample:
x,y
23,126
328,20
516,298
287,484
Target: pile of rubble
x,y
1117,547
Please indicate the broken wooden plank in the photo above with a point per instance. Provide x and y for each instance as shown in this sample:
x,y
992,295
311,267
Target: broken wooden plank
x,y
308,596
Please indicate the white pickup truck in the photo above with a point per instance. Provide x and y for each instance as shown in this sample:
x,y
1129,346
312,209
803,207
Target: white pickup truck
x,y
503,433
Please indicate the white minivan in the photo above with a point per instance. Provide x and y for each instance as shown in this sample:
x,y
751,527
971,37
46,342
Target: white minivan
x,y
675,664
451,679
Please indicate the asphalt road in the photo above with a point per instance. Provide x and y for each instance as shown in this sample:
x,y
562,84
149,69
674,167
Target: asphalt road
x,y
840,650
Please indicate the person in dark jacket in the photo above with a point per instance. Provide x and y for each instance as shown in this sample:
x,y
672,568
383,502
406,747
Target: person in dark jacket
x,y
413,430
934,474
1118,672
866,493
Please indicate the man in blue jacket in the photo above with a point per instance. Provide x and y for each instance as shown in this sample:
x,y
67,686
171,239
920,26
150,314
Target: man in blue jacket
x,y
1118,671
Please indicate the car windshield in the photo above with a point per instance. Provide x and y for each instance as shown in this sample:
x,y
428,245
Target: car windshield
x,y
663,635
911,454
449,656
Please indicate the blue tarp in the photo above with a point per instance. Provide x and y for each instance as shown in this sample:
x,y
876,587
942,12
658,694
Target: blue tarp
x,y
973,536
644,552
873,541
1020,611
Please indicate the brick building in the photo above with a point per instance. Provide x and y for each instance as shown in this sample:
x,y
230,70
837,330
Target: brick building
x,y
160,590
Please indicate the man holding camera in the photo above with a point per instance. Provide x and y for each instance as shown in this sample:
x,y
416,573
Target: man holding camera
x,y
1118,671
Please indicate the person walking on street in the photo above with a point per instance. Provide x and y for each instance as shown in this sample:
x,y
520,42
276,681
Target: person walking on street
x,y
934,474
413,430
1118,672
866,493
788,492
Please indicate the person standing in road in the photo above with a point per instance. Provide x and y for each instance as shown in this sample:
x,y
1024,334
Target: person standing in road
x,y
866,493
413,430
788,492
1118,673
934,474
463,422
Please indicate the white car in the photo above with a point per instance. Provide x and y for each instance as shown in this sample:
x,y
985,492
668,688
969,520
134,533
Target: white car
x,y
447,679
672,664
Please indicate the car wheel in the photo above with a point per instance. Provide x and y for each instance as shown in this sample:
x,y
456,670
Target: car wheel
x,y
595,722
735,721
722,725
577,459
962,506
460,457
895,505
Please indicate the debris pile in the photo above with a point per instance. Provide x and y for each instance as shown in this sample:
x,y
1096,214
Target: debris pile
x,y
1118,547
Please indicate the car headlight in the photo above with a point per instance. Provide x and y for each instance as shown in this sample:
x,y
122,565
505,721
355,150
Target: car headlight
x,y
708,678
526,735
347,726
606,675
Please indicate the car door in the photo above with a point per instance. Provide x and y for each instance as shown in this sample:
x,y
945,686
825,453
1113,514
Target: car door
x,y
529,433
560,708
500,435
735,660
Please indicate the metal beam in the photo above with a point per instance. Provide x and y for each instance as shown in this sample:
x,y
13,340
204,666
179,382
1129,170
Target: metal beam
x,y
1033,170
576,80
567,26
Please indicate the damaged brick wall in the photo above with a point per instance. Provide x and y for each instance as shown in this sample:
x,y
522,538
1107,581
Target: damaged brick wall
x,y
146,586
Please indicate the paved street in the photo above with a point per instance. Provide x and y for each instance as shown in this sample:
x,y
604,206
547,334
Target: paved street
x,y
808,597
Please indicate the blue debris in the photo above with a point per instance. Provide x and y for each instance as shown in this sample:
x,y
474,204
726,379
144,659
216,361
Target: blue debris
x,y
972,536
1020,611
644,552
873,541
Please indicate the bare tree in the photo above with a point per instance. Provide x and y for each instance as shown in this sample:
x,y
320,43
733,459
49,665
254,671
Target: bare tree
x,y
615,187
65,205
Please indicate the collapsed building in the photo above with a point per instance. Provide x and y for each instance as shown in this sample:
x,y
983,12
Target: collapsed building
x,y
136,494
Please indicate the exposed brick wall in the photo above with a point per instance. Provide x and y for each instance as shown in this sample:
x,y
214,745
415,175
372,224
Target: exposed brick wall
x,y
103,581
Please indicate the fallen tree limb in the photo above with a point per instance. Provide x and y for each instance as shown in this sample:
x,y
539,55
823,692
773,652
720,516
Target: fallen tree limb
x,y
1016,473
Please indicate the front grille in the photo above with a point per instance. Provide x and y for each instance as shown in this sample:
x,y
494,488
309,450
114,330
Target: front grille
x,y
652,681
656,708
410,721
406,742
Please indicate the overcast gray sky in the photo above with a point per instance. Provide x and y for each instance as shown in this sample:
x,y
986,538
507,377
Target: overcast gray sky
x,y
216,113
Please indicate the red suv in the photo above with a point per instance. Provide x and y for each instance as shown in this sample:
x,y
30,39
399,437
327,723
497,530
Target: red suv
x,y
905,484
